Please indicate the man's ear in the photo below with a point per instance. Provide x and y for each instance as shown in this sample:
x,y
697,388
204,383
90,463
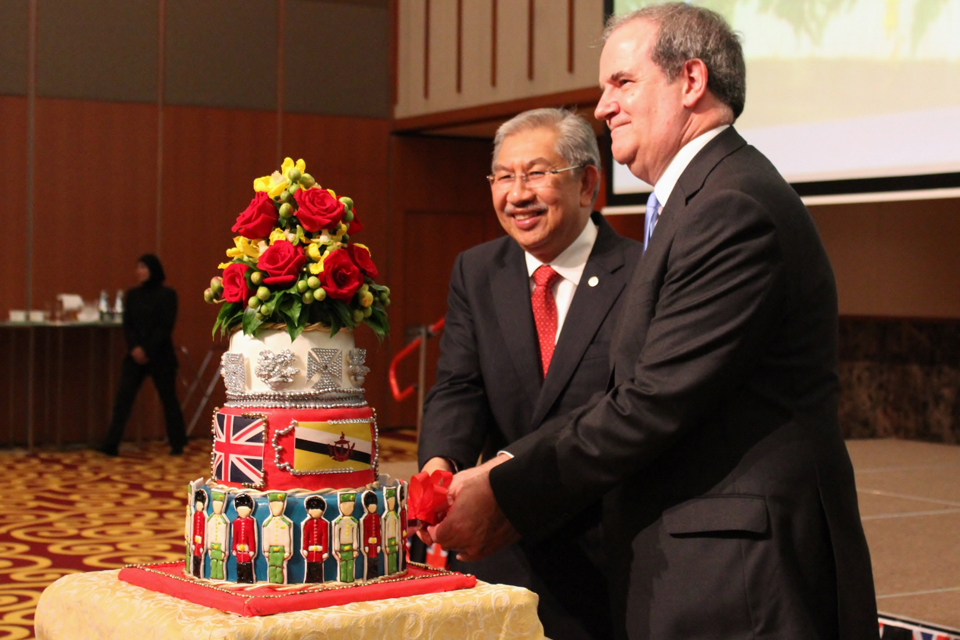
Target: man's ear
x,y
694,76
588,183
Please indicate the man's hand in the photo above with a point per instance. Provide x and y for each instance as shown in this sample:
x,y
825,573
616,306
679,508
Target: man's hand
x,y
139,356
475,525
433,464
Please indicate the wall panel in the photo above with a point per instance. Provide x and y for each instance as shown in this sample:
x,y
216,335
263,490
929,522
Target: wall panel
x,y
97,49
210,159
222,53
13,201
329,69
13,47
440,205
894,259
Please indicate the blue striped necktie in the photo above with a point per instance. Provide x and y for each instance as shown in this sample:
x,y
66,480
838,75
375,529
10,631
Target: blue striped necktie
x,y
653,212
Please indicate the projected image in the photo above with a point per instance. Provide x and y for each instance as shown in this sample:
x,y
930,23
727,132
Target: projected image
x,y
845,89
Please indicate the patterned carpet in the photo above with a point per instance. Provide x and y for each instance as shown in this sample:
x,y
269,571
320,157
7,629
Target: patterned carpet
x,y
69,512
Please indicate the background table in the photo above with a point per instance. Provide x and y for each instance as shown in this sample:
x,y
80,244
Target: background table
x,y
99,606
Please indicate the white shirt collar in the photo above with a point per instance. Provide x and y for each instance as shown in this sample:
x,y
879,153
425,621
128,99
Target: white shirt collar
x,y
674,170
572,260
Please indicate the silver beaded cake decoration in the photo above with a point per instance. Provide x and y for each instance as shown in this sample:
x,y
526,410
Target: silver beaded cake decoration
x,y
275,369
329,364
331,399
357,371
231,368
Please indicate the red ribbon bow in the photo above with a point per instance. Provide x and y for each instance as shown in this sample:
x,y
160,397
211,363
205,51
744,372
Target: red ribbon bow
x,y
428,496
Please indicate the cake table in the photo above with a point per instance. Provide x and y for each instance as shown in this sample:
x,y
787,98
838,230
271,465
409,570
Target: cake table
x,y
99,606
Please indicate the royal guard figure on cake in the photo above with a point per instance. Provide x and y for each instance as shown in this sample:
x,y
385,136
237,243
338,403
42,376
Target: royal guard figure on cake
x,y
244,534
371,536
346,537
402,500
391,532
314,536
218,531
277,538
188,526
198,545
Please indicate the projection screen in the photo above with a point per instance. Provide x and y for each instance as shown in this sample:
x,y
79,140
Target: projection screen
x,y
850,99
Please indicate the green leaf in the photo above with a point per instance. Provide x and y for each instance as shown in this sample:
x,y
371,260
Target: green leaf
x,y
227,317
250,321
378,322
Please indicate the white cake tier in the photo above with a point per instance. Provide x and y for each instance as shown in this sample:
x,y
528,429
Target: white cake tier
x,y
271,369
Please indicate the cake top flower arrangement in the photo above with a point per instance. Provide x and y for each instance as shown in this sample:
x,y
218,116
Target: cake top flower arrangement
x,y
294,262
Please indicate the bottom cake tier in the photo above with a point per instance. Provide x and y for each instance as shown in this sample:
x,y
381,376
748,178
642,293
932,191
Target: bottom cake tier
x,y
296,536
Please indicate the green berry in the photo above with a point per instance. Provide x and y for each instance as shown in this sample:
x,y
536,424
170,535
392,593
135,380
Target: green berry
x,y
307,181
216,285
347,202
263,293
366,299
286,210
256,278
320,294
284,196
293,188
348,216
383,296
386,290
307,297
294,174
302,286
368,312
208,296
386,302
357,316
260,316
344,238
314,283
254,302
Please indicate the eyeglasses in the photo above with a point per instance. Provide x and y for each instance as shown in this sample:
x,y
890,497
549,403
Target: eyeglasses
x,y
532,179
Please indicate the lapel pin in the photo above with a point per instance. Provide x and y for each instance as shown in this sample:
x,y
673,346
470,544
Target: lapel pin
x,y
593,281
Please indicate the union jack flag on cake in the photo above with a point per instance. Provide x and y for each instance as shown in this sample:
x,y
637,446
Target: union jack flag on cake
x,y
238,449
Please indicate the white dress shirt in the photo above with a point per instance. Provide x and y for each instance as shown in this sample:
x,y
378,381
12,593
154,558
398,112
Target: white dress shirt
x,y
569,264
674,170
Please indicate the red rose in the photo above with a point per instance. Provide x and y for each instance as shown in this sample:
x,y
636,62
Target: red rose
x,y
361,257
318,209
259,218
340,278
235,287
355,226
282,261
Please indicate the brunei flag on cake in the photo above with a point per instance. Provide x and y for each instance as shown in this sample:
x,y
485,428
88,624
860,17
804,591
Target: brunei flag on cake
x,y
333,446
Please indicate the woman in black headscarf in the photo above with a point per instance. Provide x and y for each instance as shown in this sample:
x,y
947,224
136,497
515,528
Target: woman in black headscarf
x,y
148,318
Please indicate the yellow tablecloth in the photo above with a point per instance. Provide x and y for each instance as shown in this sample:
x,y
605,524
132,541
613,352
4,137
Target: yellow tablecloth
x,y
99,606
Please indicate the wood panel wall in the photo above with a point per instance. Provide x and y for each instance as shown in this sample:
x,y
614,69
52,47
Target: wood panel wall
x,y
495,55
440,206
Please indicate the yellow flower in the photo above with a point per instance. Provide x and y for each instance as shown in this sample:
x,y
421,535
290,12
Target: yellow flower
x,y
275,183
243,248
277,234
313,250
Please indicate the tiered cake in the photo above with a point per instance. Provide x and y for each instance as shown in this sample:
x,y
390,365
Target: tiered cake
x,y
294,495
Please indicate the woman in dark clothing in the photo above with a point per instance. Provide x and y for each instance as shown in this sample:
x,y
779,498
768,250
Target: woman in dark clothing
x,y
148,318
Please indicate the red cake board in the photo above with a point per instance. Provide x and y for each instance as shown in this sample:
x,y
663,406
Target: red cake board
x,y
263,600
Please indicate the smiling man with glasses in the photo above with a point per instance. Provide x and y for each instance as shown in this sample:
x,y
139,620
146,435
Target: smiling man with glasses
x,y
528,328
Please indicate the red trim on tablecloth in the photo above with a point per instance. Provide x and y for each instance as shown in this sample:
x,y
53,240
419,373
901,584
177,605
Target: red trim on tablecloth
x,y
279,419
267,600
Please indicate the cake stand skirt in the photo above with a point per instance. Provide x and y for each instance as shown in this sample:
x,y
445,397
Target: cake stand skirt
x,y
98,605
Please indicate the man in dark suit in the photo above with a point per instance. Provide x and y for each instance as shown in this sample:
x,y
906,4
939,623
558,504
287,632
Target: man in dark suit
x,y
731,509
495,383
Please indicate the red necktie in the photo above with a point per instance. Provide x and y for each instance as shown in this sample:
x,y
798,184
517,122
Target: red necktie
x,y
545,312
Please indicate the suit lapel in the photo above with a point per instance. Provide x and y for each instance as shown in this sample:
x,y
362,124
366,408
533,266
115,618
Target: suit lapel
x,y
589,307
632,324
510,286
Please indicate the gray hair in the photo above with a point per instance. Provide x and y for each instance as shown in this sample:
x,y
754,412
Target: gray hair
x,y
687,32
576,141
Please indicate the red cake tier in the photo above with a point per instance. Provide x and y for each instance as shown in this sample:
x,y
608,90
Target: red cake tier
x,y
285,449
